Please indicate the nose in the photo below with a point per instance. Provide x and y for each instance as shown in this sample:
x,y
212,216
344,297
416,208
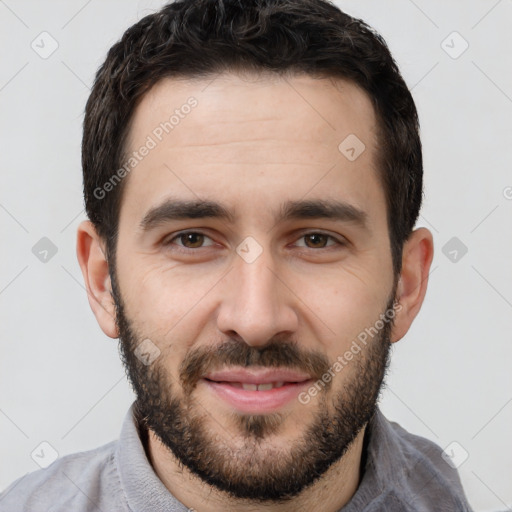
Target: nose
x,y
257,302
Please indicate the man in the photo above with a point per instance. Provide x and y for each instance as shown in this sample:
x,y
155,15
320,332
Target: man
x,y
252,176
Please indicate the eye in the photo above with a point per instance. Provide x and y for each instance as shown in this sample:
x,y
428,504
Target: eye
x,y
187,241
318,240
190,240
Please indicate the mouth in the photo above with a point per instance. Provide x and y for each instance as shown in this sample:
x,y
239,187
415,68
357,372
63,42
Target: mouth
x,y
255,387
256,391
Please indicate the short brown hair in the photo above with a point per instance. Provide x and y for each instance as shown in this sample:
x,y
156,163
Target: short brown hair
x,y
196,38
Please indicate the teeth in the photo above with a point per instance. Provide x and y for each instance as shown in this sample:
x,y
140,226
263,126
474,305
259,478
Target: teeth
x,y
258,387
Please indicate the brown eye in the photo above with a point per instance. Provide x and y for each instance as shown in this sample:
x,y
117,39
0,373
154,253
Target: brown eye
x,y
316,240
192,240
189,240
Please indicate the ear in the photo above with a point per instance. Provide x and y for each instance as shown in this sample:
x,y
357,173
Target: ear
x,y
417,257
91,256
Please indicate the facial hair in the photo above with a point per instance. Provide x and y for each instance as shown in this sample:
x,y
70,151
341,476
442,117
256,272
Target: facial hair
x,y
241,462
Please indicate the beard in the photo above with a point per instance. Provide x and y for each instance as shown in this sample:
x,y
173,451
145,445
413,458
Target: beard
x,y
242,461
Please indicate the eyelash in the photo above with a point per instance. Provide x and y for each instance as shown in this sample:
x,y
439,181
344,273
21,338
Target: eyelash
x,y
188,250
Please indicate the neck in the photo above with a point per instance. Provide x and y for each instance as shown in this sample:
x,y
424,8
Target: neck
x,y
334,489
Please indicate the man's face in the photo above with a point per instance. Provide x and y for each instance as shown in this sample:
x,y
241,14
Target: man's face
x,y
256,298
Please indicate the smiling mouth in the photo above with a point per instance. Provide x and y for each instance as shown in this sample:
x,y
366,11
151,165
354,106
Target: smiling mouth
x,y
267,386
256,391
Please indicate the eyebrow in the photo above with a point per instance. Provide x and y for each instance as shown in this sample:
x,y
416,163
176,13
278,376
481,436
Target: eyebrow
x,y
177,209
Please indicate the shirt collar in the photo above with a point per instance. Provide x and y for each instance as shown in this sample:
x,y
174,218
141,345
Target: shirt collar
x,y
380,466
143,489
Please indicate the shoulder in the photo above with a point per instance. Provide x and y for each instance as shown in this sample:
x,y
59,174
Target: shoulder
x,y
418,450
81,482
423,474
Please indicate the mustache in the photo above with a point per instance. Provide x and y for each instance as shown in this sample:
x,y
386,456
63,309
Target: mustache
x,y
280,354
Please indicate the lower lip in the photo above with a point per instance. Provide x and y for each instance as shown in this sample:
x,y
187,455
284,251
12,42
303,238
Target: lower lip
x,y
256,402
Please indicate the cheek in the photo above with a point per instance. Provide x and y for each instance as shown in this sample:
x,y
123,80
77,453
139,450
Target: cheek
x,y
344,304
167,301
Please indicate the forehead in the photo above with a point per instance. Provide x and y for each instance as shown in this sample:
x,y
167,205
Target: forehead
x,y
234,138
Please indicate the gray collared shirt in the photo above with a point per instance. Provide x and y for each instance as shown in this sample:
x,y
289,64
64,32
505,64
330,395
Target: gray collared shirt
x,y
402,472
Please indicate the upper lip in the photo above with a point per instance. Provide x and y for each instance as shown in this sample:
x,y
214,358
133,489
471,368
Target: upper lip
x,y
263,376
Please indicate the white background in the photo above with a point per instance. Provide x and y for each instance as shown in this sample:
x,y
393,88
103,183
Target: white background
x,y
61,380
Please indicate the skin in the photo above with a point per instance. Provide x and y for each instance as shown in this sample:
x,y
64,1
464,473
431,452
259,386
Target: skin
x,y
252,143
